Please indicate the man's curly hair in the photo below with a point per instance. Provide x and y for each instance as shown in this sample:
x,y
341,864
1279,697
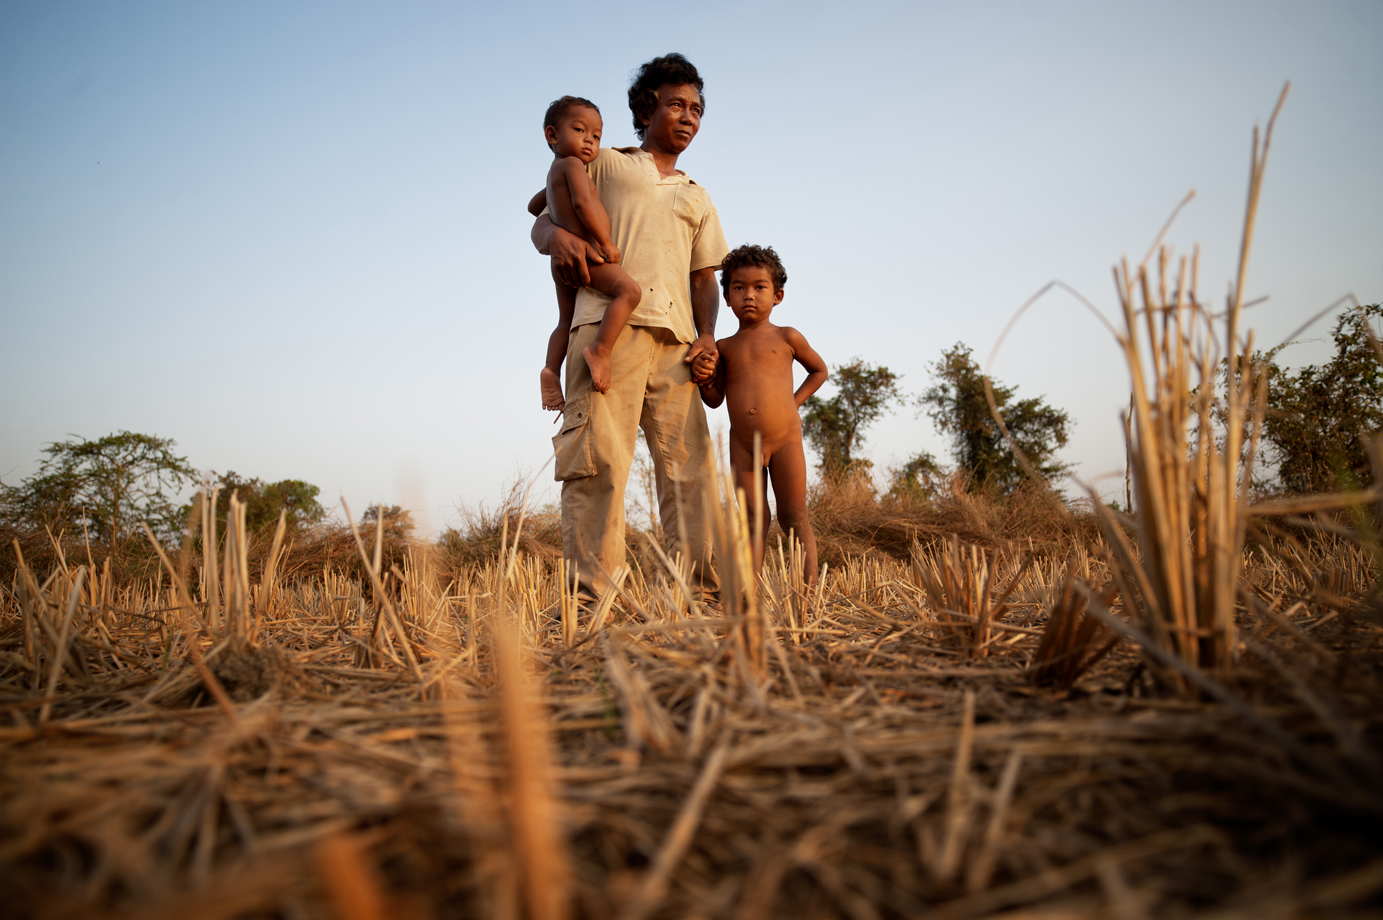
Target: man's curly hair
x,y
750,256
670,69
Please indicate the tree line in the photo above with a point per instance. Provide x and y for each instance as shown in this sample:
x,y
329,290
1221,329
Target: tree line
x,y
1319,423
958,407
103,490
1318,420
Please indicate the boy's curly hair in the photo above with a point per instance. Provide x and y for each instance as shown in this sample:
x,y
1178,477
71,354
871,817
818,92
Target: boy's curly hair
x,y
671,69
751,256
559,109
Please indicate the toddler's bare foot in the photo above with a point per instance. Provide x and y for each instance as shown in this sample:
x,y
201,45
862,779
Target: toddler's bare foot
x,y
552,390
600,368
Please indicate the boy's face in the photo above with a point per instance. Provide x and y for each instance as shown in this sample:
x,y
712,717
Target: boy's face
x,y
576,134
751,294
676,118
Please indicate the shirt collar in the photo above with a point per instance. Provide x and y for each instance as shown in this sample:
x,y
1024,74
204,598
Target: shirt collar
x,y
640,152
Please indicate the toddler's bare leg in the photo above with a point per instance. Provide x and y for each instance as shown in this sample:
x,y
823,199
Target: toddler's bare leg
x,y
788,470
550,378
615,282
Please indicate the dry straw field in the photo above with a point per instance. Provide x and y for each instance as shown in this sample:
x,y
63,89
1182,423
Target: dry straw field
x,y
1173,714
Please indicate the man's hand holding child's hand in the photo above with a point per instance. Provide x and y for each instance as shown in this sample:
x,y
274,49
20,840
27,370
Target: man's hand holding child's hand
x,y
704,367
704,347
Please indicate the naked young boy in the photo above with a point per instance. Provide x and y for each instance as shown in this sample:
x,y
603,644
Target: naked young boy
x,y
754,373
573,127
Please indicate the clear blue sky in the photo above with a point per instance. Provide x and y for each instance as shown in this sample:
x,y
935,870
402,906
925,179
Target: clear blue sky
x,y
292,235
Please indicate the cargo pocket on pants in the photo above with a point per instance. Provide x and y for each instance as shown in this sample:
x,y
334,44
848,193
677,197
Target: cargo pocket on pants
x,y
572,447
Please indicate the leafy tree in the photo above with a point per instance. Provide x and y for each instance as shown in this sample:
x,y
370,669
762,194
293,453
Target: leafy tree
x,y
398,522
834,427
265,500
102,489
957,404
919,477
1318,419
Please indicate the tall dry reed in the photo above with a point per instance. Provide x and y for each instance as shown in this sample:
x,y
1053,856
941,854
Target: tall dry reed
x,y
1189,477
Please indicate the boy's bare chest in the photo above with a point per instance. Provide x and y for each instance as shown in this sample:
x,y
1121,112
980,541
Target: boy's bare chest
x,y
754,356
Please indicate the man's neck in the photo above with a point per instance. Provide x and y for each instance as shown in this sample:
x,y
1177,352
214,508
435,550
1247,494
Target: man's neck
x,y
665,161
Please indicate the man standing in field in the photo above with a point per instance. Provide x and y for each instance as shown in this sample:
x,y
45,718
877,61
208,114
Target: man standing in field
x,y
670,235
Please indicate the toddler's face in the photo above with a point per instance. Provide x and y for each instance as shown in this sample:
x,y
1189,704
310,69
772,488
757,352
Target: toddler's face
x,y
577,134
751,295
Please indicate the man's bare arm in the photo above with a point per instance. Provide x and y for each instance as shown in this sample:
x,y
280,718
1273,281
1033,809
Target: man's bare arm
x,y
705,295
810,361
570,253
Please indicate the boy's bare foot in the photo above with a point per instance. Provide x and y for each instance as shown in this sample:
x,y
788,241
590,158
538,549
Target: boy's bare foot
x,y
600,368
552,390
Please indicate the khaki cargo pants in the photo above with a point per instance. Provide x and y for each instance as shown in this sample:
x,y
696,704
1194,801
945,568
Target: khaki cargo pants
x,y
650,388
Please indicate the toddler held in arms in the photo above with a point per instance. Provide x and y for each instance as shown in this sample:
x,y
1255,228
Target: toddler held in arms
x,y
754,372
573,127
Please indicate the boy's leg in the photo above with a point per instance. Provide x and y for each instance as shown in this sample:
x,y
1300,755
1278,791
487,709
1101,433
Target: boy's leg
x,y
550,379
613,281
747,469
674,424
593,505
788,470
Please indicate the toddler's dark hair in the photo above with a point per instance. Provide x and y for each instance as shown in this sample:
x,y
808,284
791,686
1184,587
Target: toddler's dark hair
x,y
671,69
750,256
558,110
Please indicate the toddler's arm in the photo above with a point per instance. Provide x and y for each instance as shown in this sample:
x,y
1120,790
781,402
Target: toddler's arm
x,y
810,361
537,203
713,386
588,208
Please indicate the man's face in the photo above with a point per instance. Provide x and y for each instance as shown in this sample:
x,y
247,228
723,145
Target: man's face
x,y
676,118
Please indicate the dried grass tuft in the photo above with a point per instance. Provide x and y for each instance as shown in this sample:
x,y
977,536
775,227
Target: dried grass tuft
x,y
1073,641
1190,480
960,583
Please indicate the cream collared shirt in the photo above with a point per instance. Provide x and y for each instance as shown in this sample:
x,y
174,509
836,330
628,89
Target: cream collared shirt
x,y
665,228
